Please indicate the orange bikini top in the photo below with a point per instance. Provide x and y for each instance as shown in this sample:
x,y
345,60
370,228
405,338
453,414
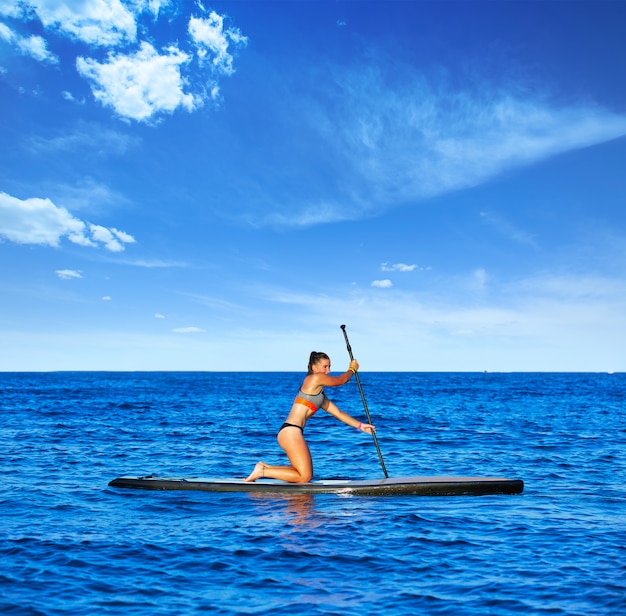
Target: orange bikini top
x,y
313,401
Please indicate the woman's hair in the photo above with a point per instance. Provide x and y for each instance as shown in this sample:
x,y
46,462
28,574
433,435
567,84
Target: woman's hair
x,y
314,358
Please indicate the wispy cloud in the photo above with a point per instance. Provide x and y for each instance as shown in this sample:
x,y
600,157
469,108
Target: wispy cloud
x,y
40,221
401,141
397,267
480,278
86,194
188,330
215,303
551,318
426,139
306,215
152,263
507,229
569,287
91,137
68,274
382,284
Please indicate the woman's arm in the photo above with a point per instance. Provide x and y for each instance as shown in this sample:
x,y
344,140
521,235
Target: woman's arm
x,y
330,407
312,381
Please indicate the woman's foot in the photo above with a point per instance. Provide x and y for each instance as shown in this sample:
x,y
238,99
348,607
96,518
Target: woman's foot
x,y
257,473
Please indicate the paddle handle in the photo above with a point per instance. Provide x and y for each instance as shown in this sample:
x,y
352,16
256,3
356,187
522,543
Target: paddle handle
x,y
367,412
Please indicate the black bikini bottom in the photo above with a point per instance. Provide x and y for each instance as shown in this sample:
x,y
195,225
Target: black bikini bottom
x,y
290,425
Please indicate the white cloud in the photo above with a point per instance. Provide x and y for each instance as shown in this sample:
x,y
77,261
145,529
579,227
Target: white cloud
x,y
153,6
212,41
139,78
10,8
37,47
382,284
159,316
397,267
112,239
68,96
140,85
68,274
34,46
40,221
123,237
102,23
106,298
188,330
37,221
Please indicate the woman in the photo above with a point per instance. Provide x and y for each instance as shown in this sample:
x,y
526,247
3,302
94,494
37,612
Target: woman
x,y
310,398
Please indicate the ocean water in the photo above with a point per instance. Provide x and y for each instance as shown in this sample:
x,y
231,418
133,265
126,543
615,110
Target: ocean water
x,y
69,544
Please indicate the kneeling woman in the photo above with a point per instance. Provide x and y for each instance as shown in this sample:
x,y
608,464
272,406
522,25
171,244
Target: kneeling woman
x,y
310,398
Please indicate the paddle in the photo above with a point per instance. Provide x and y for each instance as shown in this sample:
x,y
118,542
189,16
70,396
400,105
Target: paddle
x,y
369,419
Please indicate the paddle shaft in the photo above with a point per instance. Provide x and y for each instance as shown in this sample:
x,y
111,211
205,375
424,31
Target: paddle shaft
x,y
367,412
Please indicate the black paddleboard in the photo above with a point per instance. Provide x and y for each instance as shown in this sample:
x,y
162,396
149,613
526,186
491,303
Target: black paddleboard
x,y
418,486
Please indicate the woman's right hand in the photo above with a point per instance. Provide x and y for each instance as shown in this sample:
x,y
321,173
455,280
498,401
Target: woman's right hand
x,y
354,365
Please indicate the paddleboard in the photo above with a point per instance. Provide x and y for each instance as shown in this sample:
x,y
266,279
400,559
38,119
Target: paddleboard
x,y
419,486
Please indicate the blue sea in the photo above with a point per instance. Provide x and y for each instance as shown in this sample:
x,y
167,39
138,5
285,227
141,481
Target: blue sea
x,y
69,544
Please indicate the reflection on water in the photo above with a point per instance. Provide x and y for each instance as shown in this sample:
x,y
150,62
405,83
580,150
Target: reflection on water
x,y
294,509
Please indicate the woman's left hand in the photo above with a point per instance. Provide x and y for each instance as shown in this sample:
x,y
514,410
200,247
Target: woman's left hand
x,y
369,428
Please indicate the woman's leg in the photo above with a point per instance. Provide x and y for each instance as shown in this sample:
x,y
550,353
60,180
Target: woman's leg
x,y
292,441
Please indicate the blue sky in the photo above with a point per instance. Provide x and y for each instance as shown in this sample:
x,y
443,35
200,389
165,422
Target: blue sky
x,y
220,186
